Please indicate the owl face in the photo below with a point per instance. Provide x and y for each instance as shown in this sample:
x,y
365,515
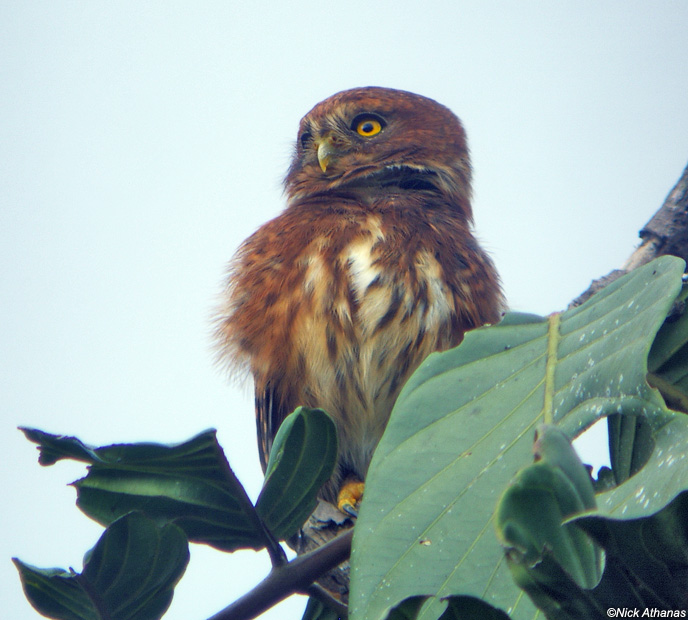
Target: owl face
x,y
380,139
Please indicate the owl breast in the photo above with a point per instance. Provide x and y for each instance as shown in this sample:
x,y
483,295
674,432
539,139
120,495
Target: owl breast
x,y
368,335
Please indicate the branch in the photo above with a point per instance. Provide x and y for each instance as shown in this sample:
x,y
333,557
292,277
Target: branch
x,y
665,233
288,579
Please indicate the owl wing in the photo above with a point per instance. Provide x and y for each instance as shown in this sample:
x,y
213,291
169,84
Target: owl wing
x,y
269,416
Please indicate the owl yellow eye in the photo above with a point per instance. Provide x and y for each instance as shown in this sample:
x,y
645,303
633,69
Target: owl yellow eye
x,y
367,125
368,128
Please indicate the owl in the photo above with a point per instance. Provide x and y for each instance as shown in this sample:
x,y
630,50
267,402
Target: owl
x,y
371,266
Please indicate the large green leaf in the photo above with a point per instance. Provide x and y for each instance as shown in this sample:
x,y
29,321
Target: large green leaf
x,y
302,459
463,427
190,483
129,575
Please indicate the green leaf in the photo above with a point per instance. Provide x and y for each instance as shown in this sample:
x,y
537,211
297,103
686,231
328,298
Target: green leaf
x,y
631,443
463,426
672,337
458,608
531,522
53,448
315,610
646,559
302,459
407,609
129,575
646,567
189,483
462,607
668,360
55,593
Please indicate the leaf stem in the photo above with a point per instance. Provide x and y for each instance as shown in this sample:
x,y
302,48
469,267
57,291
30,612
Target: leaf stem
x,y
277,555
553,337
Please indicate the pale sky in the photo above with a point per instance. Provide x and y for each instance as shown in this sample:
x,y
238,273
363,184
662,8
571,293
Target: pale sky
x,y
141,142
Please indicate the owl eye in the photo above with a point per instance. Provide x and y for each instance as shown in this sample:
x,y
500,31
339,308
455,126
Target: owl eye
x,y
368,125
305,138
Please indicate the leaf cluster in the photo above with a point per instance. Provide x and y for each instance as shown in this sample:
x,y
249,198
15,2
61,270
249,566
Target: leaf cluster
x,y
476,504
174,494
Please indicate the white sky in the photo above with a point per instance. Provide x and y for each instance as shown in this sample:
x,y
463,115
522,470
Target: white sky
x,y
140,142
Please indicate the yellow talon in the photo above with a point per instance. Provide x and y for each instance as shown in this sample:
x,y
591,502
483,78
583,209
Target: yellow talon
x,y
349,496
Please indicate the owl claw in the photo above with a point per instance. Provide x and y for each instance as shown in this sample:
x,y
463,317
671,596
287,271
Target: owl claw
x,y
349,497
348,509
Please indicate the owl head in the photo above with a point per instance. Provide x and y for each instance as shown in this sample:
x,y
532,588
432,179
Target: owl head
x,y
373,139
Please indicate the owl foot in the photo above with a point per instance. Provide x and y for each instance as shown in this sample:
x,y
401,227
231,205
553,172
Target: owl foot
x,y
349,496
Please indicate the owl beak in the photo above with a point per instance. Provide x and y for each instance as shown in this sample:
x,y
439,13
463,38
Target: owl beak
x,y
326,152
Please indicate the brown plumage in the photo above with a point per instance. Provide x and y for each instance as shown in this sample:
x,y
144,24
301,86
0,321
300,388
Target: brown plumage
x,y
371,267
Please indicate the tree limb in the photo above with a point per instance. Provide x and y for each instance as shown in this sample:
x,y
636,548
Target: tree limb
x,y
665,233
288,579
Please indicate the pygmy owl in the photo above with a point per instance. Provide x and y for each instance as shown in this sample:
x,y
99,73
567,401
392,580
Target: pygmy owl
x,y
372,266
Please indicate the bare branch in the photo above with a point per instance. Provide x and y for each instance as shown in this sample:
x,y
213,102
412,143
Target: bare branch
x,y
288,579
665,233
